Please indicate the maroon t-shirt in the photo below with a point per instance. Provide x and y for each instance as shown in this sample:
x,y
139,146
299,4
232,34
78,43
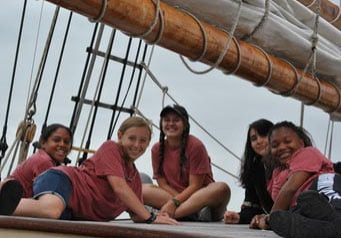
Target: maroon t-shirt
x,y
308,159
92,197
198,163
29,169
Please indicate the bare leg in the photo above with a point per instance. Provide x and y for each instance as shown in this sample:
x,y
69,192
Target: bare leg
x,y
216,196
47,206
154,196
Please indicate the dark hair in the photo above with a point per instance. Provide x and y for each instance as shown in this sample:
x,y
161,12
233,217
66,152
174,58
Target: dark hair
x,y
180,111
300,131
48,131
252,165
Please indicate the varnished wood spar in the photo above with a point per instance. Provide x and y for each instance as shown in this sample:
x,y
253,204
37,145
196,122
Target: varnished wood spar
x,y
183,35
328,10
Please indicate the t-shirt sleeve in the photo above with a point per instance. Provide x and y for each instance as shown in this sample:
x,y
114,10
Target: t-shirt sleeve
x,y
308,159
108,161
199,159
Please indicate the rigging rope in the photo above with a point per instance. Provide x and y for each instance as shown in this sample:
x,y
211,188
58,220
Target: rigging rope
x,y
86,80
86,85
3,141
129,86
97,96
152,76
27,128
57,70
113,121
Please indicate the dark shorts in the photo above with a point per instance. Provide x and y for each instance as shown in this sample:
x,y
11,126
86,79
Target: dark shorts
x,y
57,183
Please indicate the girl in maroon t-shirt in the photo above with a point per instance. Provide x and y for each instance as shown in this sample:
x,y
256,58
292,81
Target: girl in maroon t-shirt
x,y
183,172
55,144
305,189
100,189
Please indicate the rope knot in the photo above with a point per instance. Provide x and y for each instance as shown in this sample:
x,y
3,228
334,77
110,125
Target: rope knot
x,y
26,131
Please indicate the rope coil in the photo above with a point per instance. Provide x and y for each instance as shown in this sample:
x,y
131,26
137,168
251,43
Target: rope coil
x,y
338,107
161,30
337,16
101,14
319,92
202,29
293,90
154,23
311,4
268,79
239,54
226,47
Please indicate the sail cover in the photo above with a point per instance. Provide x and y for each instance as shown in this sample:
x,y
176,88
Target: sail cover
x,y
286,32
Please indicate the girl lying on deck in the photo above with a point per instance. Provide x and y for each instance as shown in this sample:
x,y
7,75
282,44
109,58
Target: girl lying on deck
x,y
55,144
182,169
305,189
100,189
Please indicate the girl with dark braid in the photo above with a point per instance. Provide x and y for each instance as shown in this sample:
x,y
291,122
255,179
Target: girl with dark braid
x,y
186,189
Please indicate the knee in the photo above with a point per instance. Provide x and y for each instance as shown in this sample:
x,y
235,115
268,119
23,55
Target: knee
x,y
223,189
54,213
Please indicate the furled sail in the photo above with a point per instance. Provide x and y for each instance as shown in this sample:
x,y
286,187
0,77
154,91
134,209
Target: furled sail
x,y
181,33
286,33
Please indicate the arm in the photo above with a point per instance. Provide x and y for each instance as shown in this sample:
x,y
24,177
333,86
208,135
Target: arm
x,y
126,194
283,201
287,192
162,182
195,183
138,212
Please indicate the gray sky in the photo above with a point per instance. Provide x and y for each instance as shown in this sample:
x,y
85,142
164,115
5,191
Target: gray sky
x,y
223,104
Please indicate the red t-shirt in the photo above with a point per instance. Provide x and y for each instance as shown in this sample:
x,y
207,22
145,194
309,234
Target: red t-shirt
x,y
92,197
29,169
308,159
198,163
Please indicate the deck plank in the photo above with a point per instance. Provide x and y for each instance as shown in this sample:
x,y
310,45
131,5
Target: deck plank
x,y
127,228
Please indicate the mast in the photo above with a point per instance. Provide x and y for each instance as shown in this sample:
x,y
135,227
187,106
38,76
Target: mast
x,y
182,34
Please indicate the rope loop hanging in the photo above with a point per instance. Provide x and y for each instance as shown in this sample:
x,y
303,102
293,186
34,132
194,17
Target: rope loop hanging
x,y
226,47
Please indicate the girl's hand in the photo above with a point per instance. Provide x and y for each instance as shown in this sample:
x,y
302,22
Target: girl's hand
x,y
163,218
231,217
260,222
169,208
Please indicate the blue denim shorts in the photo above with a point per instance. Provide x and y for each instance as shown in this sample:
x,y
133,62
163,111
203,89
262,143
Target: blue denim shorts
x,y
57,183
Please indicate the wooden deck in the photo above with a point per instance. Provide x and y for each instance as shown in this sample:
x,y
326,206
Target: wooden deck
x,y
32,227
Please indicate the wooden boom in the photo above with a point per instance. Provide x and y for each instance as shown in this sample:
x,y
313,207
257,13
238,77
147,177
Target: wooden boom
x,y
182,34
328,10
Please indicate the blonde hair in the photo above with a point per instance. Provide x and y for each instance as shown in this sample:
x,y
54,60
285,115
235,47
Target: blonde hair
x,y
135,121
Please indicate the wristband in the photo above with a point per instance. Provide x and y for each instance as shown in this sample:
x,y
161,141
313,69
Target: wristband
x,y
151,219
176,202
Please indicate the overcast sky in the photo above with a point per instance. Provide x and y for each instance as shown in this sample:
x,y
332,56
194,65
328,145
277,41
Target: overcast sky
x,y
223,104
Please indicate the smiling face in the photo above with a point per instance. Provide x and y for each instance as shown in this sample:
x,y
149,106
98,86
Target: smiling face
x,y
172,125
284,142
58,144
134,141
259,143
